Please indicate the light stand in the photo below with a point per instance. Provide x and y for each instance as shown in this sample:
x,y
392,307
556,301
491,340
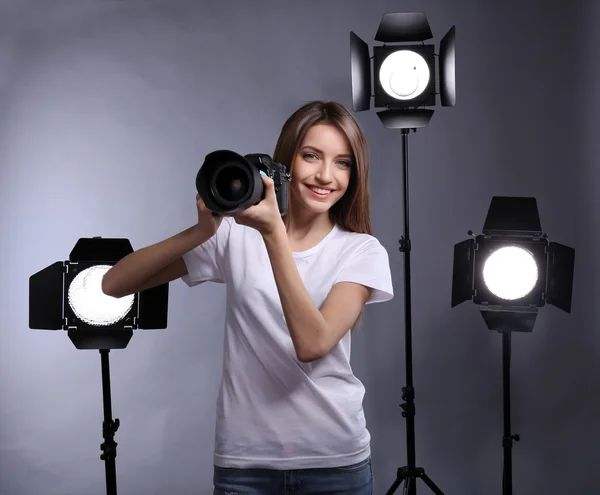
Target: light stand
x,y
405,83
109,428
409,473
509,438
511,270
67,295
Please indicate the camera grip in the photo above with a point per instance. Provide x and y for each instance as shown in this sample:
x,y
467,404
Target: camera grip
x,y
282,197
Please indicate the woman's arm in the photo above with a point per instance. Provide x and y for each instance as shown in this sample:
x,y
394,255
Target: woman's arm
x,y
152,265
314,332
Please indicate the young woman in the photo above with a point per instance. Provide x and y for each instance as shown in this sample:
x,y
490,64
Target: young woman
x,y
289,411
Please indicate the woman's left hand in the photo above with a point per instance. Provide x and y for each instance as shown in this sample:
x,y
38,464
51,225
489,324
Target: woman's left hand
x,y
264,216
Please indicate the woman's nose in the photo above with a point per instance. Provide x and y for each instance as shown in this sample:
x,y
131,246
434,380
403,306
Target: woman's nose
x,y
324,173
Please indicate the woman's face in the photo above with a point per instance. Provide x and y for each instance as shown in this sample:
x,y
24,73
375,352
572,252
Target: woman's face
x,y
321,169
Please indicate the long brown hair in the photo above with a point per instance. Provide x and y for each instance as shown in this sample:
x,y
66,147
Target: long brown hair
x,y
353,210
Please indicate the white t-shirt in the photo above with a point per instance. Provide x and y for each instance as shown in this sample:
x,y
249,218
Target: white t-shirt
x,y
274,411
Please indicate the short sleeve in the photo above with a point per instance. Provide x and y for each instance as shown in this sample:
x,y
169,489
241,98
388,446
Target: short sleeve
x,y
370,266
205,262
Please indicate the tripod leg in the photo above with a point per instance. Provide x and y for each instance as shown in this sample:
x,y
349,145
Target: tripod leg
x,y
429,482
396,484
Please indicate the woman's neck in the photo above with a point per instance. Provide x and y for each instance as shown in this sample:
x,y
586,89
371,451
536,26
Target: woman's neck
x,y
302,228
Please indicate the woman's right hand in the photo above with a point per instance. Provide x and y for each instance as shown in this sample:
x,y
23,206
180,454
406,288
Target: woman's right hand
x,y
208,221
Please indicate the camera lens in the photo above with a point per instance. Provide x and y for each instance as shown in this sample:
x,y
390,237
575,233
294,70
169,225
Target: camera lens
x,y
230,183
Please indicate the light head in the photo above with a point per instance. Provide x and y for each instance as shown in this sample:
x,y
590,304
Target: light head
x,y
67,295
511,269
404,74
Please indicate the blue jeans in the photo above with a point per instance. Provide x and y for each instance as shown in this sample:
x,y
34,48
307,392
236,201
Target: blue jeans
x,y
356,479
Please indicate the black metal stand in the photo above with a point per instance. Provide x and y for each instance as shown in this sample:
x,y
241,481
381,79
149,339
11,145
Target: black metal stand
x,y
409,474
109,428
508,438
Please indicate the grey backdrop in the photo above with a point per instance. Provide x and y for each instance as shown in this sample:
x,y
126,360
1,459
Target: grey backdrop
x,y
107,109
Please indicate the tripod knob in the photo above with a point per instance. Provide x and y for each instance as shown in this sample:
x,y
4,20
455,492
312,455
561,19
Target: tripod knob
x,y
404,245
516,437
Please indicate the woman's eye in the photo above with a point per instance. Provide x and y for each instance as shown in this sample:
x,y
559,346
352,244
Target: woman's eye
x,y
312,156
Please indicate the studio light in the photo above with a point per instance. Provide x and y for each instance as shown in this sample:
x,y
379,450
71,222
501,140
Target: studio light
x,y
404,75
404,80
510,270
67,295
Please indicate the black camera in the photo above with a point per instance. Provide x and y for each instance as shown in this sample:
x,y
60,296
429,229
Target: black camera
x,y
229,183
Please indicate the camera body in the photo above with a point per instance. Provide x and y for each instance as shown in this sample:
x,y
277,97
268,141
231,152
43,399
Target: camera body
x,y
275,171
228,182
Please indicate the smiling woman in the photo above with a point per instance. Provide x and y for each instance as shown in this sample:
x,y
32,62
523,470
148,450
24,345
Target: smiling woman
x,y
297,285
322,167
323,138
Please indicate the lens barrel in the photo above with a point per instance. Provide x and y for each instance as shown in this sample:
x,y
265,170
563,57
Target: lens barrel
x,y
228,183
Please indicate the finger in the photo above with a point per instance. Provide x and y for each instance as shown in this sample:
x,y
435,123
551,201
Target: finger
x,y
267,181
199,202
204,211
269,187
